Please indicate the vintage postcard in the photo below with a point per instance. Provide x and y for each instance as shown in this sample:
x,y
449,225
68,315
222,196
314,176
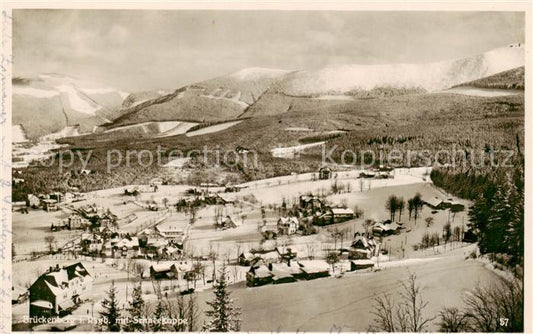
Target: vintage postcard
x,y
266,167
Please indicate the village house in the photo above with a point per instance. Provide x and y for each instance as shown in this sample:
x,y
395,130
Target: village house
x,y
224,223
436,202
258,275
281,273
386,228
314,268
283,270
33,201
334,216
59,290
127,247
361,264
18,206
76,221
341,214
18,295
310,203
170,270
246,258
363,247
59,197
269,230
172,231
324,173
288,225
17,181
163,271
150,237
49,205
91,243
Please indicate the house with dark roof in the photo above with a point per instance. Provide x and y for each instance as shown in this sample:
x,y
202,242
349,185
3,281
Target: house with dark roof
x,y
258,275
324,173
59,290
363,248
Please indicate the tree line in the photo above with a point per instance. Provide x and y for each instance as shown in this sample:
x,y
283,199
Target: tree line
x,y
497,215
177,314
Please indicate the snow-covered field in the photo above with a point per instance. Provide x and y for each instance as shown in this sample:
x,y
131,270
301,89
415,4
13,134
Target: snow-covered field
x,y
160,129
68,131
212,129
291,151
17,134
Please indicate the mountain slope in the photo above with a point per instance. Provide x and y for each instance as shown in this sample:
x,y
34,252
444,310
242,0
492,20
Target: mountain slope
x,y
48,103
512,79
431,76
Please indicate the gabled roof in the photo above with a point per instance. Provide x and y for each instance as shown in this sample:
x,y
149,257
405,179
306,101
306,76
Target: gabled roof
x,y
434,201
288,220
76,270
261,272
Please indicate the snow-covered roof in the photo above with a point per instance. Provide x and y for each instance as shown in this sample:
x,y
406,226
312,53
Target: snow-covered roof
x,y
288,220
42,304
160,267
341,211
433,201
293,269
314,266
363,262
262,272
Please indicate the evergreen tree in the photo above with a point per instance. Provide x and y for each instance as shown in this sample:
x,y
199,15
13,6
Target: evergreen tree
x,y
135,309
497,221
159,314
192,314
224,317
111,311
514,237
410,207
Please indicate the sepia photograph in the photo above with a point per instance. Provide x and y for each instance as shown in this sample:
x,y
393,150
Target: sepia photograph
x,y
217,168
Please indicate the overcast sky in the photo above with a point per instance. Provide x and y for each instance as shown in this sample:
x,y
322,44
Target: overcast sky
x,y
143,49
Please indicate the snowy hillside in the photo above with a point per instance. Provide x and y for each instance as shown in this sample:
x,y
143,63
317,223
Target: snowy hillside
x,y
17,134
430,76
245,85
60,101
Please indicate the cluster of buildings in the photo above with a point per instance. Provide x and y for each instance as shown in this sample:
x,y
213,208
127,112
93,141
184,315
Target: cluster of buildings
x,y
381,172
162,242
311,211
89,217
170,270
275,267
386,227
48,202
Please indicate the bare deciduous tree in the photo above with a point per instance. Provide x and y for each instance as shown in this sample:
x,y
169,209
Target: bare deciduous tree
x,y
453,320
407,316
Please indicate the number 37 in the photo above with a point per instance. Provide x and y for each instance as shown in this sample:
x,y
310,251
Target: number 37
x,y
504,321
